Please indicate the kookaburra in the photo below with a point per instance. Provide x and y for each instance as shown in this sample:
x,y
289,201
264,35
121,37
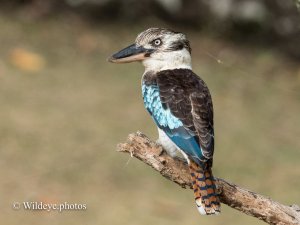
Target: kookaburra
x,y
180,104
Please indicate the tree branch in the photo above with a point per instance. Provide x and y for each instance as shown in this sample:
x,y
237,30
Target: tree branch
x,y
250,203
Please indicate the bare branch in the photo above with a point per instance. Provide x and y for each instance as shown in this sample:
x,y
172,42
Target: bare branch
x,y
250,203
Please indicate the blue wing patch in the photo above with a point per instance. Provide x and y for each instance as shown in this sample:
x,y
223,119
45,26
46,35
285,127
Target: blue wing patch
x,y
162,117
185,139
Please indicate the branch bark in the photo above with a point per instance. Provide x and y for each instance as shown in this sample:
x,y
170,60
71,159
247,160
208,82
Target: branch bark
x,y
248,202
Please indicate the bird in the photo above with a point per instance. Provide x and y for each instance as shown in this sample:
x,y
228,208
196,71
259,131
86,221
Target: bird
x,y
180,104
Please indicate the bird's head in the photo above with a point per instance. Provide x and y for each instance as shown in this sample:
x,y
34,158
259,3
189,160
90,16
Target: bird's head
x,y
158,49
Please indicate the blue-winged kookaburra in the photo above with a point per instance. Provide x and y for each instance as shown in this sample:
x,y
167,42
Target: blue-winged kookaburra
x,y
180,104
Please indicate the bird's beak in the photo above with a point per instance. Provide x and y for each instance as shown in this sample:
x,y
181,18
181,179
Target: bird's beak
x,y
130,54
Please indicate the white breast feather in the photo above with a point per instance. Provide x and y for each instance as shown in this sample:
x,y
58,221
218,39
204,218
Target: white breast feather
x,y
180,59
170,147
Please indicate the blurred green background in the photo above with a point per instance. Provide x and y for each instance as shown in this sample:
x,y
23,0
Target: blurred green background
x,y
64,109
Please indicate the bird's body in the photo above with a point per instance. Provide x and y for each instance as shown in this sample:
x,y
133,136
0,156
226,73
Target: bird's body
x,y
180,104
167,97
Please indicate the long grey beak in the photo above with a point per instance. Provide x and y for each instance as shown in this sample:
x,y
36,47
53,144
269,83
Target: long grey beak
x,y
130,54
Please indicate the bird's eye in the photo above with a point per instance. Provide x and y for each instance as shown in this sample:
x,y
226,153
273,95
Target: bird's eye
x,y
157,42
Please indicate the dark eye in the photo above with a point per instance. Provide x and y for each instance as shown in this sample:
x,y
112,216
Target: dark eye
x,y
157,42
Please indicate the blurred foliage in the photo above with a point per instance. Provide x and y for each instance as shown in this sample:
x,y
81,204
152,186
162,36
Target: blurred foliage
x,y
297,2
266,22
64,109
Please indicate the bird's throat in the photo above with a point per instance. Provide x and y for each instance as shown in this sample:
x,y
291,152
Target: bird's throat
x,y
168,61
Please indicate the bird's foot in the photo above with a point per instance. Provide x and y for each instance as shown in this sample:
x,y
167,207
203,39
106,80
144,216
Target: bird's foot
x,y
179,158
158,142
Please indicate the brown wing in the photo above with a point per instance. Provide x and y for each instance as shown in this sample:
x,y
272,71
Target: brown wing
x,y
202,111
188,98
